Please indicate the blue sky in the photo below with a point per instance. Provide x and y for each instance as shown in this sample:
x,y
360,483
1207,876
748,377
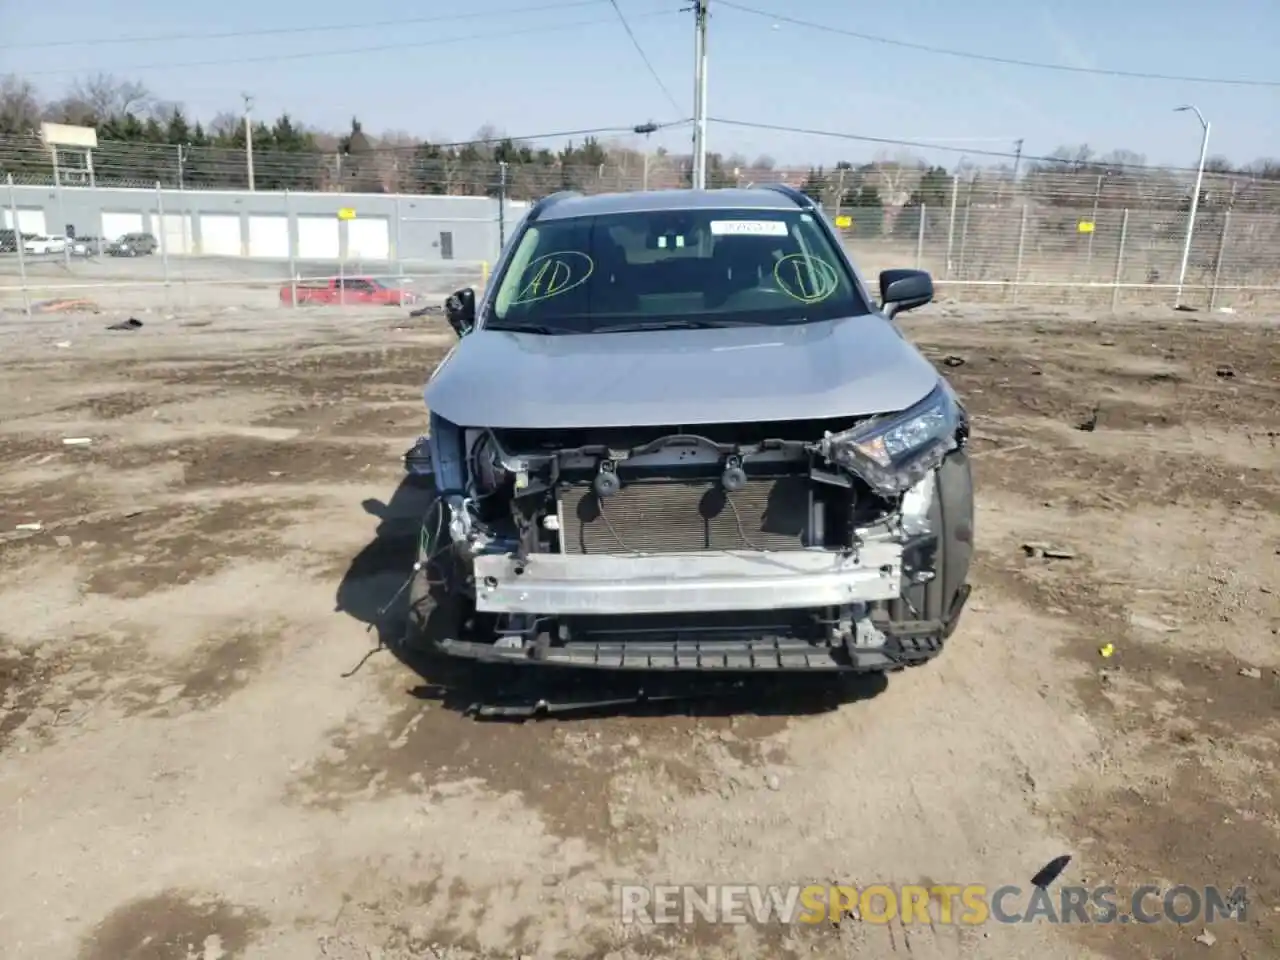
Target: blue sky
x,y
573,67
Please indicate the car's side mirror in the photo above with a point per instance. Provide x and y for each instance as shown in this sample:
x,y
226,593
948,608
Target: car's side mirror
x,y
460,311
904,290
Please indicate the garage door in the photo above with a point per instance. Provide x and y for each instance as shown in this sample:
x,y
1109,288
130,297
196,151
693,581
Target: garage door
x,y
116,225
368,239
176,232
220,235
269,236
317,238
29,220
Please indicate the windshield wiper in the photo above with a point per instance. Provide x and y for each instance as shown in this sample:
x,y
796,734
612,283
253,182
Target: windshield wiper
x,y
538,328
668,325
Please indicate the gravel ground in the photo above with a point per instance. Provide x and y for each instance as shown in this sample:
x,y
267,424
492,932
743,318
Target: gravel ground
x,y
205,754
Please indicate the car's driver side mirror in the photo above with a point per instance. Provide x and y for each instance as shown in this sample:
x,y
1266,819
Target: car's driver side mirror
x,y
904,290
460,311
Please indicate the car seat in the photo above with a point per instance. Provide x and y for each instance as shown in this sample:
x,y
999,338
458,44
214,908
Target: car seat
x,y
738,263
612,288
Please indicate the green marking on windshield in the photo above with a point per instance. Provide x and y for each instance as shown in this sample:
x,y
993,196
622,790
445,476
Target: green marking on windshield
x,y
806,278
553,274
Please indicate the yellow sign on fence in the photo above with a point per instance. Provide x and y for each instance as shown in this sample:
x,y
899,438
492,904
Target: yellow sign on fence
x,y
1084,226
844,222
346,213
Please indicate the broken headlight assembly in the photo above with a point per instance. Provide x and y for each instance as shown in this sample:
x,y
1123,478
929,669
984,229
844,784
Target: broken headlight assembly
x,y
488,471
893,453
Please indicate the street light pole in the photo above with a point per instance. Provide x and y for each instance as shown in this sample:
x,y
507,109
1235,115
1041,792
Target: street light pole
x,y
647,129
1195,200
248,138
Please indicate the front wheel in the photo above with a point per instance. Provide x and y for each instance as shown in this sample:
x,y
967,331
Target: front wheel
x,y
925,616
438,608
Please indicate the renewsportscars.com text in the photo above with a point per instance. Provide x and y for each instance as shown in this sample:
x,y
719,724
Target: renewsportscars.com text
x,y
947,904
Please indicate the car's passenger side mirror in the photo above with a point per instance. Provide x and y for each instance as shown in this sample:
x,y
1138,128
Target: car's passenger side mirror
x,y
904,290
460,311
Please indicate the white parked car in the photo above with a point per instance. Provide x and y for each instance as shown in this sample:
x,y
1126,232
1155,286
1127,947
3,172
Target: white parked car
x,y
41,244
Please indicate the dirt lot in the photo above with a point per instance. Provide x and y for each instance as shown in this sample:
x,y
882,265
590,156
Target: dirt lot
x,y
202,756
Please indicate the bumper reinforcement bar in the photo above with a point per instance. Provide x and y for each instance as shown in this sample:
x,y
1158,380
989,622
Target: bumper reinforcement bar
x,y
708,582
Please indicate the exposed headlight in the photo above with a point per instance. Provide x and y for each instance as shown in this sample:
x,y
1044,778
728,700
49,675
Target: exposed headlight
x,y
893,453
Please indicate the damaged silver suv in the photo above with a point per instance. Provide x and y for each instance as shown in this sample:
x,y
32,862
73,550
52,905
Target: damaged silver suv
x,y
677,433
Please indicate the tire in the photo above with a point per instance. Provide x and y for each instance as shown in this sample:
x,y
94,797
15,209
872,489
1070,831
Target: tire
x,y
939,600
437,607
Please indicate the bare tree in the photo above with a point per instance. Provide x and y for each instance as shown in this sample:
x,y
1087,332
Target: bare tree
x,y
487,137
106,96
325,140
162,110
451,170
19,106
1265,168
71,110
397,139
1071,158
397,150
225,124
1123,159
895,177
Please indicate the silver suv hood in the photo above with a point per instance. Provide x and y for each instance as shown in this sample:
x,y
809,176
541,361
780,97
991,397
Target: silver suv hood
x,y
853,366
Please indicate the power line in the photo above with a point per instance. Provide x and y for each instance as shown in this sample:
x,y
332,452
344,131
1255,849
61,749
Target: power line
x,y
644,56
345,51
35,146
558,135
321,28
988,58
30,146
921,145
861,138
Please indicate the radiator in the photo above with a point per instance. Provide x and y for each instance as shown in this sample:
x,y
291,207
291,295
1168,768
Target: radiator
x,y
671,516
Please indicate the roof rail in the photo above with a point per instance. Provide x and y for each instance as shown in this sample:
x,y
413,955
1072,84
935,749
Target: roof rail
x,y
549,201
802,200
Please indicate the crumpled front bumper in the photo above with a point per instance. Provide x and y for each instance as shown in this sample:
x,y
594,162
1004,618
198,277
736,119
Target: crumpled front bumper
x,y
707,582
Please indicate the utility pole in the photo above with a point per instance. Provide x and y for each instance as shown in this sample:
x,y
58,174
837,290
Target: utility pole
x,y
248,137
502,205
1017,158
700,97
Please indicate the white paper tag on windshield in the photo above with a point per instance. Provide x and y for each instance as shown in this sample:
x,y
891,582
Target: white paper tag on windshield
x,y
751,228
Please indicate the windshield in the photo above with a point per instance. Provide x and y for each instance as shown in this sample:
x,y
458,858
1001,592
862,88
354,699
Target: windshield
x,y
679,268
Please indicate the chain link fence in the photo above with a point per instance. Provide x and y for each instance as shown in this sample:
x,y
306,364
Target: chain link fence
x,y
237,250
1066,234
1055,255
